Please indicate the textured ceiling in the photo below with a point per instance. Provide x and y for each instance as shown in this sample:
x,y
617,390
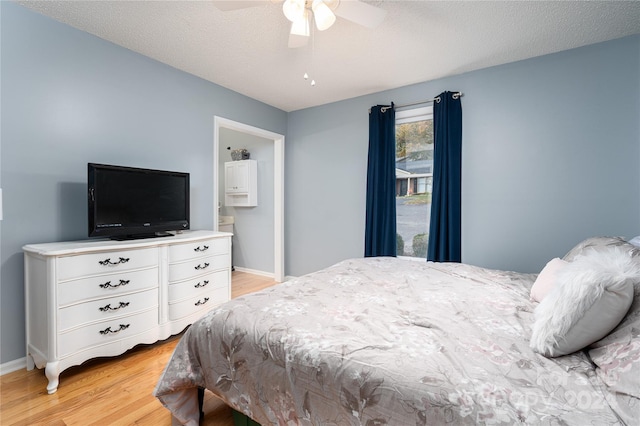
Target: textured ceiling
x,y
246,50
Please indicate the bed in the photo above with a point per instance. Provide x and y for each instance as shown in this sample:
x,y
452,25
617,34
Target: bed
x,y
385,341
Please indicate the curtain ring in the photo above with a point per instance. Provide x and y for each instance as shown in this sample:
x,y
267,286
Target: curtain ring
x,y
456,95
436,99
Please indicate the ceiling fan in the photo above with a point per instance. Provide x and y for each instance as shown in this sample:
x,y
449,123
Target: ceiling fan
x,y
324,13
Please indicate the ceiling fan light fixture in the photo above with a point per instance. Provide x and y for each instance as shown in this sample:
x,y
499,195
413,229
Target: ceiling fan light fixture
x,y
294,9
322,14
300,26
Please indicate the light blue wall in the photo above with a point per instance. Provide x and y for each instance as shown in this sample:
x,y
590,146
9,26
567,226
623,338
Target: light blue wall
x,y
69,98
551,150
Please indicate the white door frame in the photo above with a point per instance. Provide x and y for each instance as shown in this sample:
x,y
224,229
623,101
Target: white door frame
x,y
278,183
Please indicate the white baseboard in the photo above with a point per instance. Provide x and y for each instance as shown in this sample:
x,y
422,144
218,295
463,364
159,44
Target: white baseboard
x,y
11,366
254,272
262,273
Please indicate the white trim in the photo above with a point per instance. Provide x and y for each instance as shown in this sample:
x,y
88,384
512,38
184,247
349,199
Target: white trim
x,y
11,366
278,183
254,272
269,274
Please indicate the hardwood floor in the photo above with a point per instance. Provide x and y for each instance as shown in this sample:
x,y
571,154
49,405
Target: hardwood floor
x,y
108,391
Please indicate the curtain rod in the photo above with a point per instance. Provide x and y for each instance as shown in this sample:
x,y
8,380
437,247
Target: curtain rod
x,y
456,95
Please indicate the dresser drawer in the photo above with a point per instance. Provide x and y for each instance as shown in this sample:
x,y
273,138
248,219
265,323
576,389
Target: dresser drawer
x,y
186,251
197,267
71,267
197,286
203,303
107,331
104,309
106,286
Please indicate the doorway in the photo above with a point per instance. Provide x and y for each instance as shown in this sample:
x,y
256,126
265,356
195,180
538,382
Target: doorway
x,y
278,182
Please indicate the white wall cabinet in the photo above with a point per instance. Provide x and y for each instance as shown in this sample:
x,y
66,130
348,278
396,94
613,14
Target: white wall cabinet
x,y
241,183
88,299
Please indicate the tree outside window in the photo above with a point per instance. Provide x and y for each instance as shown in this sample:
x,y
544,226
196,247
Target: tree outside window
x,y
414,180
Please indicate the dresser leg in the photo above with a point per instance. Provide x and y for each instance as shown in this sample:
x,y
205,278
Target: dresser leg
x,y
53,373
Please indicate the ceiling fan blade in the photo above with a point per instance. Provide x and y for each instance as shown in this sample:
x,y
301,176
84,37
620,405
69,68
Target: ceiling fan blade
x,y
360,13
226,5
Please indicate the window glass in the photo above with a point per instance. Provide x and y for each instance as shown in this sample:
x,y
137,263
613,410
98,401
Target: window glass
x,y
414,180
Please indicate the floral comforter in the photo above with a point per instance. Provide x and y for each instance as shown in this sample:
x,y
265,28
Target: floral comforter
x,y
383,341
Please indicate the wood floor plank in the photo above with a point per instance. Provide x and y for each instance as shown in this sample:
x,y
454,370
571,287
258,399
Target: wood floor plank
x,y
109,391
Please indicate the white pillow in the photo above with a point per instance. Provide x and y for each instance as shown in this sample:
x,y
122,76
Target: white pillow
x,y
547,279
594,293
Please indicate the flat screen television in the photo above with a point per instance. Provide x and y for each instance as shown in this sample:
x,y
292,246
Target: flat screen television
x,y
129,202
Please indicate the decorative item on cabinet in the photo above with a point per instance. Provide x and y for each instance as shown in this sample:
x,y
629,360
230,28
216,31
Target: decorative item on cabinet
x,y
239,154
241,183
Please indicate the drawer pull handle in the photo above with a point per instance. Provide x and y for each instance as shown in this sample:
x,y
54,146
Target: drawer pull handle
x,y
200,267
109,262
202,284
203,248
200,302
109,285
108,330
110,308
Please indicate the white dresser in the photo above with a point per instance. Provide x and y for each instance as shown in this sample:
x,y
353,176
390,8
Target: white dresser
x,y
93,298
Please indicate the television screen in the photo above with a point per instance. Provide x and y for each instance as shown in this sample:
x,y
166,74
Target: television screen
x,y
128,202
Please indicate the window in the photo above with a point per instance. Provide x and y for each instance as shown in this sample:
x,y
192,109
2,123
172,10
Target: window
x,y
414,180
